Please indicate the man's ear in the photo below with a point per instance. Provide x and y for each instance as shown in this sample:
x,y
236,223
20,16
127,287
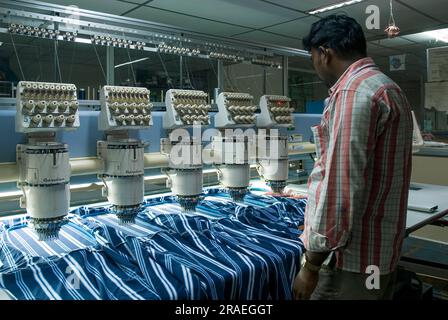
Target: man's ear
x,y
326,54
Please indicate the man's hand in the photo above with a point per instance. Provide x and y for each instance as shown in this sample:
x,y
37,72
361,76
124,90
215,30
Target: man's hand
x,y
305,283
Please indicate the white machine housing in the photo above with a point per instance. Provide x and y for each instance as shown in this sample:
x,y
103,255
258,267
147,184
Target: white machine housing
x,y
233,159
275,111
185,108
184,172
272,163
272,166
123,173
124,108
235,110
46,107
44,177
44,165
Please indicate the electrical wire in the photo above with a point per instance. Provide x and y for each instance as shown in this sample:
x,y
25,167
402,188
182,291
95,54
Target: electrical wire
x,y
187,72
17,56
166,71
268,83
213,67
72,62
258,87
58,66
99,61
41,70
187,69
391,19
130,60
226,77
305,84
132,67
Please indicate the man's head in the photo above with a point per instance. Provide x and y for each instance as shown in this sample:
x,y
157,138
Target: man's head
x,y
335,42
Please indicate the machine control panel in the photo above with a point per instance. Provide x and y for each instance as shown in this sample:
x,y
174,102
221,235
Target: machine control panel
x,y
235,110
276,111
185,108
43,106
125,108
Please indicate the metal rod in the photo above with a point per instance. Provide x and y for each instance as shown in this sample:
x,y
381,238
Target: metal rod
x,y
9,171
181,73
264,80
109,22
221,83
85,166
155,160
285,77
110,69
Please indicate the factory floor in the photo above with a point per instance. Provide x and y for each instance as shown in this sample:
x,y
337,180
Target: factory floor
x,y
425,252
439,286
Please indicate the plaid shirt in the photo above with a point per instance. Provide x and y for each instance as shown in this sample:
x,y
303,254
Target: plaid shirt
x,y
358,190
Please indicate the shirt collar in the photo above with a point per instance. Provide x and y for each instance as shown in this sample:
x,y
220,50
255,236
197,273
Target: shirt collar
x,y
354,68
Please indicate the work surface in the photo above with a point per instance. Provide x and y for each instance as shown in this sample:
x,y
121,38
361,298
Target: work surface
x,y
426,195
222,251
420,196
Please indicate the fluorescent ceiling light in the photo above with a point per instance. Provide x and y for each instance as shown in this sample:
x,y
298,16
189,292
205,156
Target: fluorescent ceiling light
x,y
334,6
131,62
439,35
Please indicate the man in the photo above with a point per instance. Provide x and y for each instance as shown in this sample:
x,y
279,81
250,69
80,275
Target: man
x,y
358,190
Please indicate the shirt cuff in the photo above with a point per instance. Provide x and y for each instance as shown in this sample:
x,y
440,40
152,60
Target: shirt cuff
x,y
316,242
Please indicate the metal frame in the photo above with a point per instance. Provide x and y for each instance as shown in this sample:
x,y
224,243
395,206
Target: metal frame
x,y
285,70
90,22
110,69
431,219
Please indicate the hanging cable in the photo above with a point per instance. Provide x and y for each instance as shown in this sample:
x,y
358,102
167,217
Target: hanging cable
x,y
72,63
391,18
17,56
226,76
130,60
258,87
99,60
187,68
132,67
213,68
58,66
166,71
268,83
392,30
41,70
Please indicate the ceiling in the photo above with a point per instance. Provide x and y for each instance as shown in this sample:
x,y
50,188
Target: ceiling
x,y
282,22
286,22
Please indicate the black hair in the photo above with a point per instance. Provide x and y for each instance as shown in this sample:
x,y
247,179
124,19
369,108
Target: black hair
x,y
340,33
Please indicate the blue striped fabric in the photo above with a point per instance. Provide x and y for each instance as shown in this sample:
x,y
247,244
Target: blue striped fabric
x,y
222,251
47,270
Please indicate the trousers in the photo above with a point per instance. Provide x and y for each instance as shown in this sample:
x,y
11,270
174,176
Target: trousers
x,y
337,284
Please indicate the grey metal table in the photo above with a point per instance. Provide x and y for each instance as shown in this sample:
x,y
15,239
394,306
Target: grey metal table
x,y
420,195
426,194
